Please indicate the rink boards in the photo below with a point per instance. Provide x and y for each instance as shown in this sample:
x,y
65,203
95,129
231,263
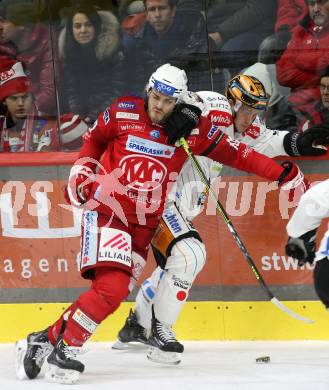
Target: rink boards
x,y
39,257
198,321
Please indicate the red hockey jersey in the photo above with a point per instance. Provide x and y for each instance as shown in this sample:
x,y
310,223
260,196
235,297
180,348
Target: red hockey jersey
x,y
137,165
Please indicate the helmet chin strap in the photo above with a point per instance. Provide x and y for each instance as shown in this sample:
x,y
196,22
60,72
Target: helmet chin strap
x,y
237,106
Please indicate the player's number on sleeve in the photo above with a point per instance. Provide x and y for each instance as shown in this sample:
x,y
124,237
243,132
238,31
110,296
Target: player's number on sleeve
x,y
233,142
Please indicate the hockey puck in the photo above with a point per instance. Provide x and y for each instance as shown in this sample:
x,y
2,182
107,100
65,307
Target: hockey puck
x,y
263,359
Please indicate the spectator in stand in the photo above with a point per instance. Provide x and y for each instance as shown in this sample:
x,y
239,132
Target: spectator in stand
x,y
5,48
169,34
21,128
238,28
236,25
93,64
306,56
240,25
318,112
134,19
289,14
28,41
130,7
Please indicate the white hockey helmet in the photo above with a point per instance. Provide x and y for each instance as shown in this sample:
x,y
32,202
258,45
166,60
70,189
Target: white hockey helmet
x,y
169,80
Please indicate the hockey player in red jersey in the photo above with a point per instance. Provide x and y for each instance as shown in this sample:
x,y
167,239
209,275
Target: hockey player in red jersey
x,y
129,158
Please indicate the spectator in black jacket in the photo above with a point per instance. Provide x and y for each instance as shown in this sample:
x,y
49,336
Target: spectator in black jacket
x,y
169,34
93,64
237,27
242,24
233,23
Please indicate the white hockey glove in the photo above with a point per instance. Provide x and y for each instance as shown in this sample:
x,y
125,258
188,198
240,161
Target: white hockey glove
x,y
193,99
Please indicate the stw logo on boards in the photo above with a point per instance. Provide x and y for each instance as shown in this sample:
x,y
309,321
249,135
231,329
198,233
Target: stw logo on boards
x,y
143,173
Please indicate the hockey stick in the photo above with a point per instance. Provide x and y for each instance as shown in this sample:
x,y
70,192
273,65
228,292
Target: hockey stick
x,y
236,237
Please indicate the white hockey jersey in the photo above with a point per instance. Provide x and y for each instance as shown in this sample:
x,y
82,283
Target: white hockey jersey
x,y
258,136
189,192
312,209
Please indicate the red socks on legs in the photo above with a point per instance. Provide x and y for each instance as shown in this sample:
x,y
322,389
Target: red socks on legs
x,y
108,290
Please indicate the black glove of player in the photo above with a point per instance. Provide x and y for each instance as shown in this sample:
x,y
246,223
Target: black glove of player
x,y
181,122
307,143
302,248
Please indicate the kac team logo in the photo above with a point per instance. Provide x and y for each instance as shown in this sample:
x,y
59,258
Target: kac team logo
x,y
143,173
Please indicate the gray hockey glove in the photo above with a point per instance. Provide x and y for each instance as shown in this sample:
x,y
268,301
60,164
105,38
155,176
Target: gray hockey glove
x,y
312,142
302,248
181,122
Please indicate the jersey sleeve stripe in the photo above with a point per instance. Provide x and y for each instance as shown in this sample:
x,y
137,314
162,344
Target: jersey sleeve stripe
x,y
212,146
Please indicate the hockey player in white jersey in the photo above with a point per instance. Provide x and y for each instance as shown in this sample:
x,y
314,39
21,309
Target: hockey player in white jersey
x,y
302,228
177,246
239,115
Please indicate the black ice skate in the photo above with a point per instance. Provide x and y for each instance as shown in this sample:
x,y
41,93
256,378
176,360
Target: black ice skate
x,y
31,354
164,346
62,368
132,331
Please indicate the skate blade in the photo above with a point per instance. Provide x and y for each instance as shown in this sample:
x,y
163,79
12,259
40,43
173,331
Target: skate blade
x,y
134,345
60,375
157,356
20,351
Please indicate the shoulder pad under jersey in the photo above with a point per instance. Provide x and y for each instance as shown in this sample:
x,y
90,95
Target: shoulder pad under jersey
x,y
214,101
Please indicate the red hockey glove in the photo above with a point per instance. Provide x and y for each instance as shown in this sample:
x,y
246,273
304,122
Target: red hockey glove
x,y
79,185
293,180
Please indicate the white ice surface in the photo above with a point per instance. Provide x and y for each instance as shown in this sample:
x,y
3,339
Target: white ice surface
x,y
294,365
